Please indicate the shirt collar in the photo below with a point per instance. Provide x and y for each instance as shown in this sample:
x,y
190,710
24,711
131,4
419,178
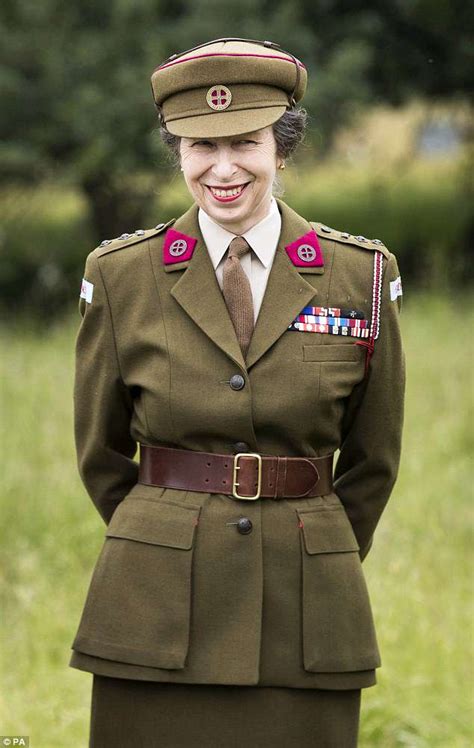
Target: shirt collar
x,y
263,237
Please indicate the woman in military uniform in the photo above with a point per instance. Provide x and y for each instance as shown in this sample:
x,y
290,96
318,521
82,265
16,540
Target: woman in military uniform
x,y
237,348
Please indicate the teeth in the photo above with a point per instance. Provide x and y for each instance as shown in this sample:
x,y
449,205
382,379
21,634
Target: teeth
x,y
227,193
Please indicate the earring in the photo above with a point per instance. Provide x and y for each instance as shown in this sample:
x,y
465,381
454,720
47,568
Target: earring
x,y
282,165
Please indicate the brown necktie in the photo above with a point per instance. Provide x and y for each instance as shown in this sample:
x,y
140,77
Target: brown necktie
x,y
238,293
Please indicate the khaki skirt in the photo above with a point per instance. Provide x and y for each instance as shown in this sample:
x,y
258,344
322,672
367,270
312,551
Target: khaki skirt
x,y
129,713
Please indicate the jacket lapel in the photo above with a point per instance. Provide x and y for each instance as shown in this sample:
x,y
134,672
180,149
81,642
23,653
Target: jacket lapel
x,y
287,292
199,294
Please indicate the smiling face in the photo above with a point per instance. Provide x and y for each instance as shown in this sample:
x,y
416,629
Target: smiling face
x,y
231,178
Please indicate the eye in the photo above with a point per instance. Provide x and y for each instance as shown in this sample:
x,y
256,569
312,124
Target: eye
x,y
206,143
246,142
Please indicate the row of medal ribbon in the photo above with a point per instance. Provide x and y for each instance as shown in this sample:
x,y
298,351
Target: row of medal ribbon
x,y
331,320
323,311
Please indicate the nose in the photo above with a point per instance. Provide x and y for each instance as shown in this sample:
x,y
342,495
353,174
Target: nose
x,y
224,166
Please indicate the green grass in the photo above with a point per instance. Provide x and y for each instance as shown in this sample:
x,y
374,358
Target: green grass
x,y
419,570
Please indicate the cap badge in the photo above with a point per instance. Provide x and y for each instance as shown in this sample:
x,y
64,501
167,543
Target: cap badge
x,y
219,98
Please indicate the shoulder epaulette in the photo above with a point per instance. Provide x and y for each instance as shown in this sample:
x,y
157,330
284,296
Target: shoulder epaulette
x,y
125,240
345,238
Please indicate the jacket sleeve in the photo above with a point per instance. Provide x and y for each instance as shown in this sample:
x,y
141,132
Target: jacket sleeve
x,y
102,402
369,457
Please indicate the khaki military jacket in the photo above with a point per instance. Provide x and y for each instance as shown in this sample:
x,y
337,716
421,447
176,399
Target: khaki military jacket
x,y
177,593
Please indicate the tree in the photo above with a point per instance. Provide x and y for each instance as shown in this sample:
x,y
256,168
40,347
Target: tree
x,y
76,100
76,103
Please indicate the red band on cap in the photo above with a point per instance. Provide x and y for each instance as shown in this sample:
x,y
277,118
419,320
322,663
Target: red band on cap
x,y
228,54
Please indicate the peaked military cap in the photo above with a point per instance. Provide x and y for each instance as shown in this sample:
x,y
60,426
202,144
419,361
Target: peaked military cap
x,y
227,87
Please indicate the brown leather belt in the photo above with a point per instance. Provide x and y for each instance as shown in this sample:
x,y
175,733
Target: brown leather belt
x,y
245,475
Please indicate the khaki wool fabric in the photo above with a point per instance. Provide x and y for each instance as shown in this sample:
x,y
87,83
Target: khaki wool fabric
x,y
178,594
238,292
134,714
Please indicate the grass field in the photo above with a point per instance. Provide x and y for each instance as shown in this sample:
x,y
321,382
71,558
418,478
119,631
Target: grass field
x,y
419,570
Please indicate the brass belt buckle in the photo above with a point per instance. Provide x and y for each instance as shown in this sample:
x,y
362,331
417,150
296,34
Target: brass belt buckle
x,y
234,476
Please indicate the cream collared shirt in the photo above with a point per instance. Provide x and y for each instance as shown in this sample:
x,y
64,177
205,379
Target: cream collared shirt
x,y
263,238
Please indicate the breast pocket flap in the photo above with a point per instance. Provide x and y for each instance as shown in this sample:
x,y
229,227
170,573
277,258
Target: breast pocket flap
x,y
327,530
329,352
153,522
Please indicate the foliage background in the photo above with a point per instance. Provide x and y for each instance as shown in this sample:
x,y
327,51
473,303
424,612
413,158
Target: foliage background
x,y
388,154
81,159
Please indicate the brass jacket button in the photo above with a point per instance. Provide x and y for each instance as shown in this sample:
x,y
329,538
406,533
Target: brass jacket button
x,y
240,447
237,382
244,526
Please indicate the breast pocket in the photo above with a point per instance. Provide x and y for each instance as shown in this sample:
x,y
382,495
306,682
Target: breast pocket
x,y
340,367
338,628
138,606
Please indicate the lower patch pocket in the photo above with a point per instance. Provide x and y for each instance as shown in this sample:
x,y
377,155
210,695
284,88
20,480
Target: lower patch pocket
x,y
138,607
338,627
